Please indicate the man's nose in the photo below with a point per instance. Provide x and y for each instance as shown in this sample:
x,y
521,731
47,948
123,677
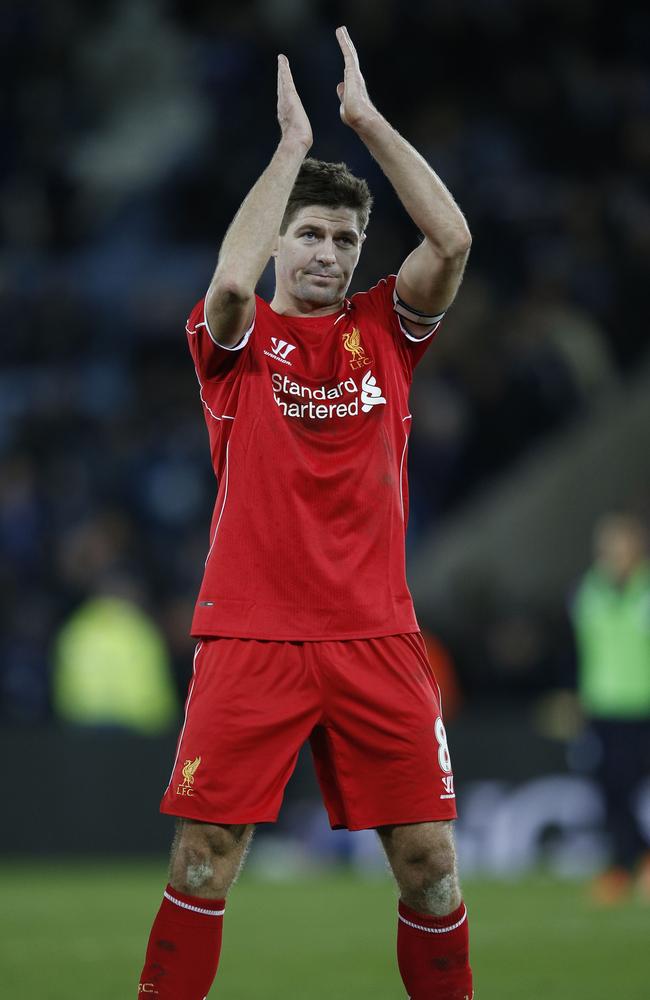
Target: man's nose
x,y
326,252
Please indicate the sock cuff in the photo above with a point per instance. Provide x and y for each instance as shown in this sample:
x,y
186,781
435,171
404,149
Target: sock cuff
x,y
195,904
429,924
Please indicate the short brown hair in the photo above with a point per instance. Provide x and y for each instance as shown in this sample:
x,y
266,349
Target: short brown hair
x,y
329,184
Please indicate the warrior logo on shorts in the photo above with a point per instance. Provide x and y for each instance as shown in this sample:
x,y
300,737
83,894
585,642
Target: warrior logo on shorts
x,y
448,782
352,343
189,770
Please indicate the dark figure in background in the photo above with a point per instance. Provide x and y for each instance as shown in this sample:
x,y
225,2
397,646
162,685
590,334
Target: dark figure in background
x,y
611,616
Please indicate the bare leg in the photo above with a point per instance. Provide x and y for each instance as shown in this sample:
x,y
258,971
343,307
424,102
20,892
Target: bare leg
x,y
423,859
206,858
432,934
185,941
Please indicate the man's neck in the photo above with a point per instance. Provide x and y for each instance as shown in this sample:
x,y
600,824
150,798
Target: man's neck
x,y
302,309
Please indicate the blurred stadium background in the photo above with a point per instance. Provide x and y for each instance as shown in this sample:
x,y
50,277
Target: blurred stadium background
x,y
130,133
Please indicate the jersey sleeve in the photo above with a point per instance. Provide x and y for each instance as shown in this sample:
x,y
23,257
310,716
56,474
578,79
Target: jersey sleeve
x,y
212,359
383,301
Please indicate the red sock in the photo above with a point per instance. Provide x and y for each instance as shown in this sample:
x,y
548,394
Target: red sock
x,y
183,950
433,955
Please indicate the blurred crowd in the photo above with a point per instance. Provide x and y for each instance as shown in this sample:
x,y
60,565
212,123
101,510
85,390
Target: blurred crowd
x,y
130,133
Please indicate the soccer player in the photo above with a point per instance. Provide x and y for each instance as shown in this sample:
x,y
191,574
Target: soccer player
x,y
305,623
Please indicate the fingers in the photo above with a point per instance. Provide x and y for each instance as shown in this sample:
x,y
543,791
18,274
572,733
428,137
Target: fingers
x,y
291,113
279,79
284,71
347,46
286,85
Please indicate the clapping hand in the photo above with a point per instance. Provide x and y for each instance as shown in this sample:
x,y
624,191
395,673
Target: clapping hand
x,y
356,108
292,116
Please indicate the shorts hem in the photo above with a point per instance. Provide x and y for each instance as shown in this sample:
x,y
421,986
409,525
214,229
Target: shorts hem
x,y
372,824
224,819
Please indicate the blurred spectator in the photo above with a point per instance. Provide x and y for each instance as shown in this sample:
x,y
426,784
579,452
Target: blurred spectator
x,y
111,666
611,615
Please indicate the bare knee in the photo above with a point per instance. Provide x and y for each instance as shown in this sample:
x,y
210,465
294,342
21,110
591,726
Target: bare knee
x,y
206,857
423,859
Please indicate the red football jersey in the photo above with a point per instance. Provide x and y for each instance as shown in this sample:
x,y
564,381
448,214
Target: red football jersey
x,y
309,422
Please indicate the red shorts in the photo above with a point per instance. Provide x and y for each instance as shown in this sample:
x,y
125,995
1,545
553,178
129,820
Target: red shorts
x,y
370,709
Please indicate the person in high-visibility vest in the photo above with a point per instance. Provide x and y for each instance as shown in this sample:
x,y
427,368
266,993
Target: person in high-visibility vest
x,y
611,617
112,668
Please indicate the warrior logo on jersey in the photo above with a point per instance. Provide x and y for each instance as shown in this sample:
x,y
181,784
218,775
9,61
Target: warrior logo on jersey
x,y
352,343
189,769
280,351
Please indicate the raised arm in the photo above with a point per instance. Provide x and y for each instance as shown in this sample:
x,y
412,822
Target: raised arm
x,y
430,276
247,245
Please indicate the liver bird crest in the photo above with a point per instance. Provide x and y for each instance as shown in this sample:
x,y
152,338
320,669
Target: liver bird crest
x,y
352,343
189,768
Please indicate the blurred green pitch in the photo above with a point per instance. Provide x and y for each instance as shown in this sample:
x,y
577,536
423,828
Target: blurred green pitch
x,y
71,931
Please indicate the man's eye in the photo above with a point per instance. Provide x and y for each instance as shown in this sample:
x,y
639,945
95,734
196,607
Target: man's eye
x,y
346,240
309,235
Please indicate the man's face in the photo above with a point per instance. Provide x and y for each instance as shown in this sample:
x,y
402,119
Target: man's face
x,y
620,546
316,257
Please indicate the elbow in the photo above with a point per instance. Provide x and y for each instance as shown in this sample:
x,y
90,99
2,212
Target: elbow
x,y
465,241
459,244
450,240
226,293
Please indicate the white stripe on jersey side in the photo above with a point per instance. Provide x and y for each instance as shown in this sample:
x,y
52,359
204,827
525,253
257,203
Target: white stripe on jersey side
x,y
224,416
187,706
225,494
440,701
401,467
